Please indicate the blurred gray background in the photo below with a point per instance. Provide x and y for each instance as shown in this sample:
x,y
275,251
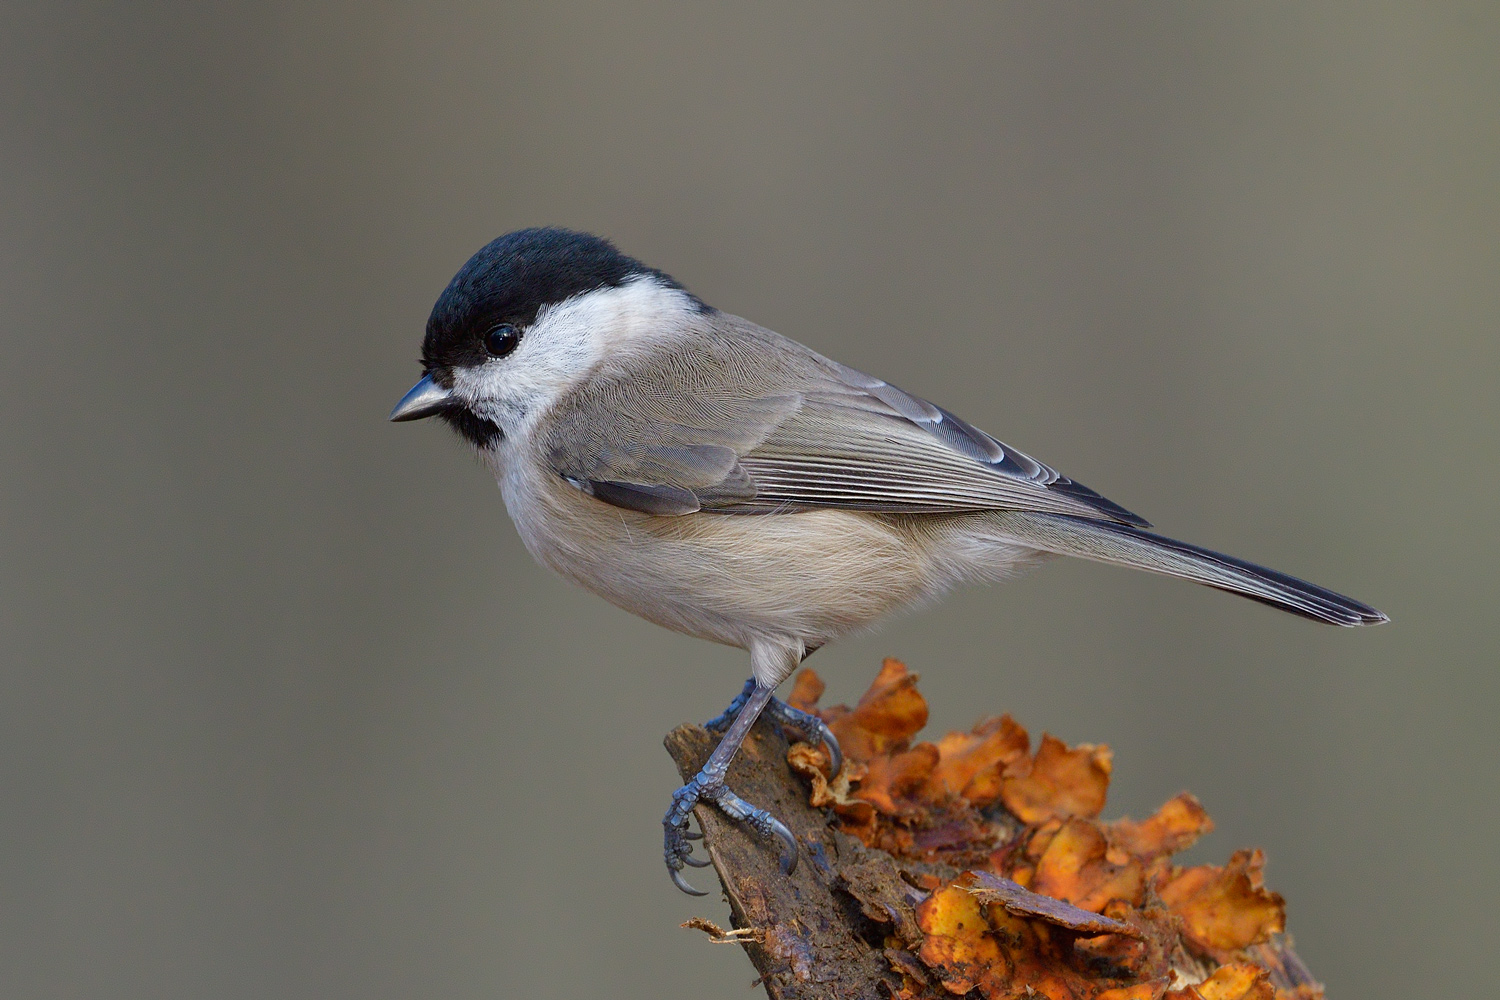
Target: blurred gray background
x,y
287,711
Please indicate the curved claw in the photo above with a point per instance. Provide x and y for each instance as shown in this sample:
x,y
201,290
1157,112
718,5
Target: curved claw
x,y
683,884
812,729
781,833
679,836
835,752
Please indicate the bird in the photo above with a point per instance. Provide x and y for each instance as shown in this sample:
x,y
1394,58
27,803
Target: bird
x,y
726,482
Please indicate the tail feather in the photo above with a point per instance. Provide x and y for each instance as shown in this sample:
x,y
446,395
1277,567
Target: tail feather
x,y
1124,545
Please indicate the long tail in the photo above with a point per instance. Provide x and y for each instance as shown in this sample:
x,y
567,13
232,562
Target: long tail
x,y
1123,545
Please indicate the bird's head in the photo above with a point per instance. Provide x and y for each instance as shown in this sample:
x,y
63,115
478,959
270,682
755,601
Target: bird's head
x,y
527,318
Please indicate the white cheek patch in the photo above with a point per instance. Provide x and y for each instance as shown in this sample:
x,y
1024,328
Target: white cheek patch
x,y
564,344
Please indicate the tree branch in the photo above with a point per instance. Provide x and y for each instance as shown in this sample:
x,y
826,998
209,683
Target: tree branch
x,y
847,923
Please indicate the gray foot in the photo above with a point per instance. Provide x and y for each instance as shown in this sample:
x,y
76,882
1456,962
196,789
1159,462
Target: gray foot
x,y
708,788
804,724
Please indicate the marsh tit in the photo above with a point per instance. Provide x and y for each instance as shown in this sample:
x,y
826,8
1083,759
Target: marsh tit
x,y
721,480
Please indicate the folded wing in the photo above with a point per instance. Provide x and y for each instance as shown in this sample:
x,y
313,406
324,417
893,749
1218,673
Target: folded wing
x,y
743,421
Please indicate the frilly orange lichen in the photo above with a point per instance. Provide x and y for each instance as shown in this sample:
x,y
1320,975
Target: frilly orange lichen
x,y
887,716
982,800
958,945
1075,867
1175,827
971,764
1225,910
1230,982
971,945
1057,782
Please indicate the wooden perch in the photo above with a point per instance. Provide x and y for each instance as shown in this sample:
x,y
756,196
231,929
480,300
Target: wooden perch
x,y
808,933
947,913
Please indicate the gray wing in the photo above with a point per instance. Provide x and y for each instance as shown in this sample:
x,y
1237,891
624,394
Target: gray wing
x,y
742,420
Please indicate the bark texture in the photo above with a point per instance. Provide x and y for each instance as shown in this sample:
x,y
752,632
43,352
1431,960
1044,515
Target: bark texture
x,y
809,934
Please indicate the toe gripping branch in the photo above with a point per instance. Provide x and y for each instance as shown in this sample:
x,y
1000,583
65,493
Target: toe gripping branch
x,y
803,724
679,848
708,784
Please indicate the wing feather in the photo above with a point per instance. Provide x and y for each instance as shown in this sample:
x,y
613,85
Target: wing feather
x,y
740,420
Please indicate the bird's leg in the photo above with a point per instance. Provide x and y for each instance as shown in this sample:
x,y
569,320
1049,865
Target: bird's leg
x,y
721,722
804,724
708,785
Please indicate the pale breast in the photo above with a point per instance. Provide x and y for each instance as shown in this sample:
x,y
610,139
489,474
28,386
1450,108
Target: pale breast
x,y
813,576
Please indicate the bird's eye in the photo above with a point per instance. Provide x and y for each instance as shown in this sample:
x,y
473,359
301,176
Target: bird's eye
x,y
502,340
